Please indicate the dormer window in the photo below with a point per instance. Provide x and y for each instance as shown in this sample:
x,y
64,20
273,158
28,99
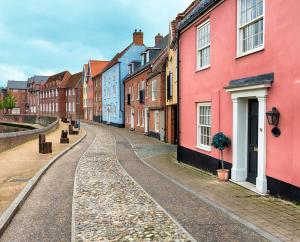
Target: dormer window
x,y
130,68
144,59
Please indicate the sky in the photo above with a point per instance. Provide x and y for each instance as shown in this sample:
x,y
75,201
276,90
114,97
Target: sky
x,y
49,36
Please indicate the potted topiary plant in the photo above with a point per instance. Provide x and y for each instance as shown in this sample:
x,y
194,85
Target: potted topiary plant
x,y
221,141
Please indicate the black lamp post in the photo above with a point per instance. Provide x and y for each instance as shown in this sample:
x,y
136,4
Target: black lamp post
x,y
273,119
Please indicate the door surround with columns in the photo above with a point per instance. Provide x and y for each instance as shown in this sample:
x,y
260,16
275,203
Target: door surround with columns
x,y
241,91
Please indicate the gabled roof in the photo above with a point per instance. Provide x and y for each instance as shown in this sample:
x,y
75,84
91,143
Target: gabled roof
x,y
96,66
162,46
59,76
19,85
200,9
116,58
74,79
38,79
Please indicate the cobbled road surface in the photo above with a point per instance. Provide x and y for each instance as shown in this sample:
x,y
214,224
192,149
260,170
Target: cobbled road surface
x,y
109,205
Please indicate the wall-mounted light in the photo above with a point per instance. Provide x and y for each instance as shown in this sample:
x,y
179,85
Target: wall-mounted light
x,y
273,119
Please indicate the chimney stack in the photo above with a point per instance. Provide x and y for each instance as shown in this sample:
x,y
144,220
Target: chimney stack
x,y
138,37
158,39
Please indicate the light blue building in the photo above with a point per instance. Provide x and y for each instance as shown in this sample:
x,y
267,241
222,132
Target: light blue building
x,y
112,81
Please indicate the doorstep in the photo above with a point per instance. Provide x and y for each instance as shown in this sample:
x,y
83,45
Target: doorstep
x,y
249,186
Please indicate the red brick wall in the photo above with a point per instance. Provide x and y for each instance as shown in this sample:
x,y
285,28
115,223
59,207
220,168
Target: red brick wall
x,y
135,104
170,123
159,103
21,99
97,95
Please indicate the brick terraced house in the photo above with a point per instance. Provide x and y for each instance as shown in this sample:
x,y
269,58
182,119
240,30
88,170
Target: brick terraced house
x,y
142,113
94,67
74,106
19,90
33,93
53,95
155,101
97,81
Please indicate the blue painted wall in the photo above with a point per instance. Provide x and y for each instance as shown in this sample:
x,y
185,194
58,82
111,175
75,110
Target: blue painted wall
x,y
113,79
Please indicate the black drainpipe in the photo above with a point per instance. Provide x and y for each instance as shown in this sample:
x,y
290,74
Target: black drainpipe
x,y
178,101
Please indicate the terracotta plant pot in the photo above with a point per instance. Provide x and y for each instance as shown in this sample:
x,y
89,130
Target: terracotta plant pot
x,y
223,174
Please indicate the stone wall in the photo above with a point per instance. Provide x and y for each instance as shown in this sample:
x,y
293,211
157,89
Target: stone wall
x,y
11,140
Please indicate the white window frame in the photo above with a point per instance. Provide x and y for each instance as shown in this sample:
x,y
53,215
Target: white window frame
x,y
132,93
240,27
115,90
156,121
199,49
138,118
143,117
138,91
198,126
154,90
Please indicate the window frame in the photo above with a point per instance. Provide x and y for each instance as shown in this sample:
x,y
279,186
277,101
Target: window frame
x,y
138,91
154,90
198,126
198,49
156,122
240,27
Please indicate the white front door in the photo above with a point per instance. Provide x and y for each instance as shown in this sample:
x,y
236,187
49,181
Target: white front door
x,y
146,119
132,118
162,125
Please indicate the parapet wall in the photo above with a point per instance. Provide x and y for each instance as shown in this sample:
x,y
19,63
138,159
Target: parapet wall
x,y
11,140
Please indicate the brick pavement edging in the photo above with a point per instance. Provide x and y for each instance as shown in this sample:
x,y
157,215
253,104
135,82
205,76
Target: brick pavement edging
x,y
10,212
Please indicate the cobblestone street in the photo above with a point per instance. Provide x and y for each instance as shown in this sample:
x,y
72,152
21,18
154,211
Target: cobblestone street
x,y
109,205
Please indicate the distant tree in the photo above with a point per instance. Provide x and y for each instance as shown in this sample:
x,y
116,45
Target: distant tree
x,y
9,101
1,104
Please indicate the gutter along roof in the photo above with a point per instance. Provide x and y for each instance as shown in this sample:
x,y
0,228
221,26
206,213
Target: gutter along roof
x,y
116,58
199,10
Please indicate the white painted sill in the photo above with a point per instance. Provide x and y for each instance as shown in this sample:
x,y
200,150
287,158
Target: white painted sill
x,y
203,68
205,148
250,52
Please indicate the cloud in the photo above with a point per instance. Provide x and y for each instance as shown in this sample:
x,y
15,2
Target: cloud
x,y
8,72
46,37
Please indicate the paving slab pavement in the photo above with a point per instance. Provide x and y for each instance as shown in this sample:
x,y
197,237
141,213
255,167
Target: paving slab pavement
x,y
21,163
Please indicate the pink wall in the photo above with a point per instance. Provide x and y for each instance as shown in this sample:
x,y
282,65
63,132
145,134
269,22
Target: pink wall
x,y
281,56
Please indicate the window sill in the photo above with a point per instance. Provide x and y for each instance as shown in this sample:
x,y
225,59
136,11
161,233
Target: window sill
x,y
250,52
202,147
203,68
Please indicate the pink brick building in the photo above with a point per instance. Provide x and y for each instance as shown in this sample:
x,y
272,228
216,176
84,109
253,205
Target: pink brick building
x,y
237,60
